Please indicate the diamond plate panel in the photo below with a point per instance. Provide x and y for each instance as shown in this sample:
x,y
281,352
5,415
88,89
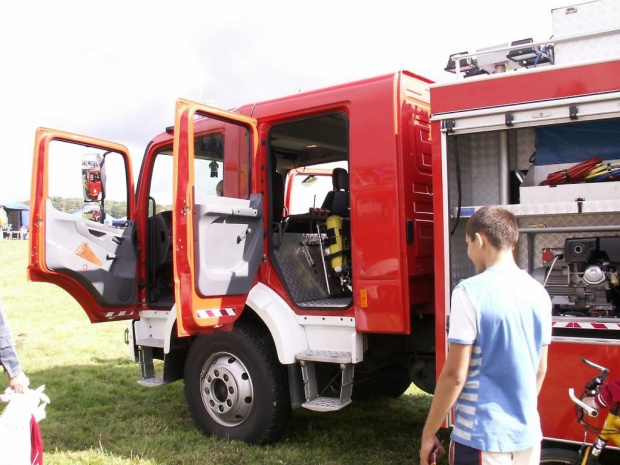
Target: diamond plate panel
x,y
462,268
523,145
595,16
479,170
335,302
484,150
305,282
543,240
460,265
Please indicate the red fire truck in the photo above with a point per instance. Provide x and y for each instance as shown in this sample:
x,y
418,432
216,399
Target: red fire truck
x,y
269,297
542,142
260,304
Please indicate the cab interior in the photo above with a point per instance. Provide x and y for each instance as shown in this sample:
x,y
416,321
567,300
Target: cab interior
x,y
310,210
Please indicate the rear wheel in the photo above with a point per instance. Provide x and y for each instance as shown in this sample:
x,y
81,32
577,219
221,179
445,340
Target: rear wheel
x,y
554,456
388,382
235,387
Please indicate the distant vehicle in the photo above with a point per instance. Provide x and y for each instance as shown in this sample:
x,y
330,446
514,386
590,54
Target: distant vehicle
x,y
92,211
92,184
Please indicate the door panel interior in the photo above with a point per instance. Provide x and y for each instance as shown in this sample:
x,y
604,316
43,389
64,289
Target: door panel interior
x,y
101,257
229,243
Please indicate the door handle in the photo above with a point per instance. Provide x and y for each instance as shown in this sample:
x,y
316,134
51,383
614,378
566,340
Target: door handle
x,y
241,237
409,231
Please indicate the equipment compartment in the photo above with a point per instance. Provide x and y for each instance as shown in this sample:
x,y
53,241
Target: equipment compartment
x,y
570,238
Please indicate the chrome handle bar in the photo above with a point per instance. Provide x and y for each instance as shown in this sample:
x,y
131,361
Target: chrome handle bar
x,y
591,411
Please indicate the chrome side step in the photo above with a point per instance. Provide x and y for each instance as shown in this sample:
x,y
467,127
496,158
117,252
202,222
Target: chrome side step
x,y
319,403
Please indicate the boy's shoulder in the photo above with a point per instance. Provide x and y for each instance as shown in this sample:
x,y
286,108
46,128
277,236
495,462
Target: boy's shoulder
x,y
497,275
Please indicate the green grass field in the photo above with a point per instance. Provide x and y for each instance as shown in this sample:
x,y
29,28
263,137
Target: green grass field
x,y
99,415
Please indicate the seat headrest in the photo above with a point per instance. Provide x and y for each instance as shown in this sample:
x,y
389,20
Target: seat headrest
x,y
277,196
340,179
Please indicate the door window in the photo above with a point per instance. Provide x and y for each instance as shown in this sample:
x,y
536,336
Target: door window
x,y
88,182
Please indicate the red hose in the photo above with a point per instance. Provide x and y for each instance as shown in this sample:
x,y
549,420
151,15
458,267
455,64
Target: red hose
x,y
575,173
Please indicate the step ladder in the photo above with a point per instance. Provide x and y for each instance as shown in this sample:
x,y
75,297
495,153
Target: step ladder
x,y
314,401
147,368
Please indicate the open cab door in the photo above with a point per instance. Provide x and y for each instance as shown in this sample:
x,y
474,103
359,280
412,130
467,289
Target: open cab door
x,y
217,223
81,227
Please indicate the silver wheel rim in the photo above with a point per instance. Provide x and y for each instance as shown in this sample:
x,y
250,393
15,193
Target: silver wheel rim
x,y
226,389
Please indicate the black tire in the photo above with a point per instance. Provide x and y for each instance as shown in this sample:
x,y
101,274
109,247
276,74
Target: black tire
x,y
386,383
235,387
553,456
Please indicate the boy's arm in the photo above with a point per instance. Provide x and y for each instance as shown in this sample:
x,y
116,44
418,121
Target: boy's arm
x,y
542,368
449,386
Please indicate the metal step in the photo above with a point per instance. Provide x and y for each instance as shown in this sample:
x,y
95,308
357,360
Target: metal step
x,y
150,342
151,382
314,401
325,404
326,356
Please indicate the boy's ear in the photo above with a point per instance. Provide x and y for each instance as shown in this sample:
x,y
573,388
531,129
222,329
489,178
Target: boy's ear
x,y
480,239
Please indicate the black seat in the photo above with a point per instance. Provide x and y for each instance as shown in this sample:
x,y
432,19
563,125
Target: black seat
x,y
340,196
337,201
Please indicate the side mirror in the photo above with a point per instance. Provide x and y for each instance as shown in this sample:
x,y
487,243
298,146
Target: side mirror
x,y
93,186
92,178
92,212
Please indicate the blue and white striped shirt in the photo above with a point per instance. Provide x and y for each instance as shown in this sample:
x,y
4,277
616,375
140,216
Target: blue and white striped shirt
x,y
506,315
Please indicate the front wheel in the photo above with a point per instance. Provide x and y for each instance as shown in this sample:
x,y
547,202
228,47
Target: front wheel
x,y
235,387
553,456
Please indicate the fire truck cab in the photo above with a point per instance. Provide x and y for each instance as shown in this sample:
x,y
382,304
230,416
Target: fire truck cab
x,y
307,283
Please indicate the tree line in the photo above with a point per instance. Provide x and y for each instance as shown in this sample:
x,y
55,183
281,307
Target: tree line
x,y
114,208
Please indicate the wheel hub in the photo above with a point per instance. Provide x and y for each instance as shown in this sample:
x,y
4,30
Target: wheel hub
x,y
226,389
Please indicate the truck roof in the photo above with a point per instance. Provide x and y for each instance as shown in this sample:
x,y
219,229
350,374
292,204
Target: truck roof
x,y
331,93
314,99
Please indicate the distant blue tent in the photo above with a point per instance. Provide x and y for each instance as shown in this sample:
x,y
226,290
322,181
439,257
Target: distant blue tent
x,y
15,206
18,213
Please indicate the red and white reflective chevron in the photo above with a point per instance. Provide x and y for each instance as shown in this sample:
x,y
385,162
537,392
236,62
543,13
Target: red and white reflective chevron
x,y
585,325
215,313
118,314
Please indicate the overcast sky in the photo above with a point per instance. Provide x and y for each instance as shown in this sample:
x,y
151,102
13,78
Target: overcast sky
x,y
113,69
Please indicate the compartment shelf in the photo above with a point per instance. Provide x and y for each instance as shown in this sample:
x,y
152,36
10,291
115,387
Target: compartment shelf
x,y
550,208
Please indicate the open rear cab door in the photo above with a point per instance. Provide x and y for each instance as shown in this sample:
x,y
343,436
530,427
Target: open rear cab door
x,y
218,234
82,235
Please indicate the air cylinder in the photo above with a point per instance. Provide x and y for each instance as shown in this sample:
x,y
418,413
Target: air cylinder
x,y
336,242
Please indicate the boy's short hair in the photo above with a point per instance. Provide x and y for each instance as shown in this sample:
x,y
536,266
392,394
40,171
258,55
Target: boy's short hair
x,y
498,224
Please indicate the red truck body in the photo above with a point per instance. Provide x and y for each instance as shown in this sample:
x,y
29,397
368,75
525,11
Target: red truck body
x,y
477,113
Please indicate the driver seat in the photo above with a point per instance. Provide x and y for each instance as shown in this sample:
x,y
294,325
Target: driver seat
x,y
337,201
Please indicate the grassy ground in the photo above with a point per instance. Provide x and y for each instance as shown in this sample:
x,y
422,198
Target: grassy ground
x,y
99,415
